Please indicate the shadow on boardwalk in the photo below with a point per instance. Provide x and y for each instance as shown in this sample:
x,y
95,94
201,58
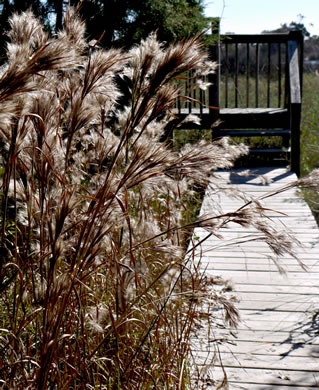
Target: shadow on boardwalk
x,y
276,345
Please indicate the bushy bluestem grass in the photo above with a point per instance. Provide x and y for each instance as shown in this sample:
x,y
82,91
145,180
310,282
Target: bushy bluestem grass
x,y
95,288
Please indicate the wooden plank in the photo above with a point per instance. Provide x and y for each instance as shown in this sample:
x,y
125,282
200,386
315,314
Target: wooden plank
x,y
220,253
255,327
295,133
251,188
246,287
253,110
254,242
264,279
257,246
248,386
226,74
214,78
268,73
278,306
277,297
236,74
294,213
274,316
209,385
261,350
275,320
250,263
258,377
310,235
305,241
298,337
227,266
251,133
292,205
308,244
259,268
295,90
258,194
247,72
278,331
282,307
243,360
243,118
251,38
287,326
309,241
235,228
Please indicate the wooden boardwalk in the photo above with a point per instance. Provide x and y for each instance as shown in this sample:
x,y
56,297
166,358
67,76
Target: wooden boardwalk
x,y
276,345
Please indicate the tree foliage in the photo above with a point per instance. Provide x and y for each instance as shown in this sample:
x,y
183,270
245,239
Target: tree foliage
x,y
312,48
118,22
292,26
311,45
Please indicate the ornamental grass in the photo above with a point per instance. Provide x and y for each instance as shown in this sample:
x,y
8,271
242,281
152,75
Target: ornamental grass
x,y
96,291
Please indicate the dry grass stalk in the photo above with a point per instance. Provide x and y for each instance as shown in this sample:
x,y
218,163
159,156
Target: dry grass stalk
x,y
94,287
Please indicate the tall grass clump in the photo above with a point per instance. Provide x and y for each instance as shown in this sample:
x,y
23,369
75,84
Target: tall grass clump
x,y
92,204
95,290
310,135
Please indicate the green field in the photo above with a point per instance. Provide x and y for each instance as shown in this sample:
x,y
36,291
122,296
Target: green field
x,y
310,135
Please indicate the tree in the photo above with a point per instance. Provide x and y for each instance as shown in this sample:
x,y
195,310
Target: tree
x,y
125,22
311,48
292,26
119,23
311,44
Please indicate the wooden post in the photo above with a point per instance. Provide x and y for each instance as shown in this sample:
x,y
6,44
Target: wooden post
x,y
295,118
297,36
295,43
214,78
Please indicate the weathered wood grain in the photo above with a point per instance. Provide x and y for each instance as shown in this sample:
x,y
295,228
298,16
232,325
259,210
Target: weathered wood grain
x,y
276,345
257,379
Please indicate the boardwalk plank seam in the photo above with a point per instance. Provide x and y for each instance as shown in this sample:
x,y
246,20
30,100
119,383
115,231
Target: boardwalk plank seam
x,y
266,316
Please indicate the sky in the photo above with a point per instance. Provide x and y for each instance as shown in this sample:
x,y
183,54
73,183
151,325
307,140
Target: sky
x,y
254,16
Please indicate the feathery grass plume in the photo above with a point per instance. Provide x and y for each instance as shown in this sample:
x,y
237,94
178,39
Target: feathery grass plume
x,y
94,284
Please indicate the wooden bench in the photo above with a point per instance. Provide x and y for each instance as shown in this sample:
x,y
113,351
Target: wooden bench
x,y
256,91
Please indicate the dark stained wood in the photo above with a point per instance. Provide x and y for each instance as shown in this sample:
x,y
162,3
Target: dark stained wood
x,y
268,74
279,74
257,75
226,74
247,73
254,118
251,133
251,38
236,74
214,79
287,113
295,119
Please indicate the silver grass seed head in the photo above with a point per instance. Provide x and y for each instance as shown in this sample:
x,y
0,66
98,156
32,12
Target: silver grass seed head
x,y
98,317
311,181
144,57
74,30
26,30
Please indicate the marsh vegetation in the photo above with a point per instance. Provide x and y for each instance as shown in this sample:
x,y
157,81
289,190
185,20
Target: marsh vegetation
x,y
96,288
